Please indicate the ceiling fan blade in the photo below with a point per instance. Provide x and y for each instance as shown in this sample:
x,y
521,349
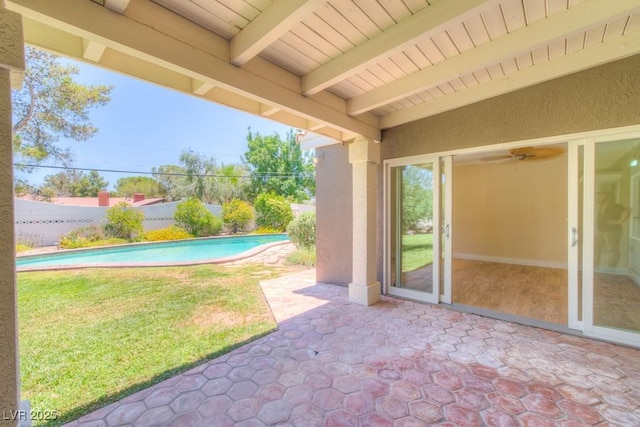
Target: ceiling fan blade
x,y
520,151
545,152
496,158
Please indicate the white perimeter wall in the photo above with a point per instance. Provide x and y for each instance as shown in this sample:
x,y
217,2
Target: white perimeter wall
x,y
46,222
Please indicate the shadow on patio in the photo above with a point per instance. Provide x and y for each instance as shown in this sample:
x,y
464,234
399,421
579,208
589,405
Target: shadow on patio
x,y
396,363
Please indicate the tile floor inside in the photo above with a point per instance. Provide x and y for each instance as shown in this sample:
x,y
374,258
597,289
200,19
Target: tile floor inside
x,y
397,363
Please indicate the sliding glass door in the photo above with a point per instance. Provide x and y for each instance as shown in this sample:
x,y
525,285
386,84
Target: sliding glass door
x,y
605,233
416,230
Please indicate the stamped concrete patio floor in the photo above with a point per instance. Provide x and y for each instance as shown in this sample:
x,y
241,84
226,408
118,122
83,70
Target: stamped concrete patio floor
x,y
398,363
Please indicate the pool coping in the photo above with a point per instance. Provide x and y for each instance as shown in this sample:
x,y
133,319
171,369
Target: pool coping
x,y
222,260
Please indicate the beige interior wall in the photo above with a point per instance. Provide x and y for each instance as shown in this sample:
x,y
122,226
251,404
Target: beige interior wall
x,y
514,211
334,215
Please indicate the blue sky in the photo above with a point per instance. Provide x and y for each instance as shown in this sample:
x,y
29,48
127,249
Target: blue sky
x,y
146,125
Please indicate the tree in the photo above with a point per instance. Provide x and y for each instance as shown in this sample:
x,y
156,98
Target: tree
x,y
173,182
230,183
49,106
209,182
61,184
73,183
417,202
199,170
279,166
90,185
127,187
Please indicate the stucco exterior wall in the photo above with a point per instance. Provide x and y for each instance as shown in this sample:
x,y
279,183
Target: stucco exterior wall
x,y
334,215
11,59
599,98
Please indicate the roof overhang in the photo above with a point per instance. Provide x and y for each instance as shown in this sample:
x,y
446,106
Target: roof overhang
x,y
338,68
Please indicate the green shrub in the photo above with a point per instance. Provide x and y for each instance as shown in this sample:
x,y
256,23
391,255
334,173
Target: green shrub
x,y
22,248
272,211
193,216
237,215
168,233
303,256
124,221
266,230
82,237
302,230
31,240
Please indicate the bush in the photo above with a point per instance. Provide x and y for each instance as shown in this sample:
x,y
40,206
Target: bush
x,y
169,233
302,230
193,216
124,221
303,256
30,240
266,230
272,211
82,237
237,215
22,248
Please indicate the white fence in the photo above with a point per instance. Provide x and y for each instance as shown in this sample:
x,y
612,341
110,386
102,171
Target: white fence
x,y
297,209
46,222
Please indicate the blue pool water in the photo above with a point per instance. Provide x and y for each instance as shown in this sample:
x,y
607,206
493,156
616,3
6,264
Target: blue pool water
x,y
162,253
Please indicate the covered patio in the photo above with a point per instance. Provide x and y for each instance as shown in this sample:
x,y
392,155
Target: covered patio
x,y
381,86
397,363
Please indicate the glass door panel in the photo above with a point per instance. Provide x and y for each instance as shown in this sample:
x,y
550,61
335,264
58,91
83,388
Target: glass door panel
x,y
616,251
413,221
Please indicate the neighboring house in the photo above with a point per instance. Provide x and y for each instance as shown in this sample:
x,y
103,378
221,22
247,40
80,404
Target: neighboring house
x,y
104,199
506,116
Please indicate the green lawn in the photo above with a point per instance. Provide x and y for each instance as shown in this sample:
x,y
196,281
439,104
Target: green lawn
x,y
90,337
417,251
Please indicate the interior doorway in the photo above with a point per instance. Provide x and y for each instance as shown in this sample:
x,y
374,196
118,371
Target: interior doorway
x,y
510,240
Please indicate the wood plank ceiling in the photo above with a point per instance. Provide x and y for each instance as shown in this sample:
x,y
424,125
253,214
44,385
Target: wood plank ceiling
x,y
344,67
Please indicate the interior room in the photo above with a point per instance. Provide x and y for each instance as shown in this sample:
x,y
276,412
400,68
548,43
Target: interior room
x,y
509,244
510,213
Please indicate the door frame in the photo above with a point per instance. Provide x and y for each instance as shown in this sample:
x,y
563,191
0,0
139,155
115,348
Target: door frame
x,y
584,325
588,241
434,297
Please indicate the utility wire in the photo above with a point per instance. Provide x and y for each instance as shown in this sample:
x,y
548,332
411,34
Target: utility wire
x,y
263,174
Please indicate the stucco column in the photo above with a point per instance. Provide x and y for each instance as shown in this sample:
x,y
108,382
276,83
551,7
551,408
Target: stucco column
x,y
11,66
364,155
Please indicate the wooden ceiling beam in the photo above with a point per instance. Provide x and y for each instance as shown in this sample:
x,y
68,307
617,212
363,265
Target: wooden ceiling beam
x,y
578,18
270,25
135,37
431,20
598,54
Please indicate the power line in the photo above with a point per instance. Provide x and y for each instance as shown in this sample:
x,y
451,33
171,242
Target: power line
x,y
263,174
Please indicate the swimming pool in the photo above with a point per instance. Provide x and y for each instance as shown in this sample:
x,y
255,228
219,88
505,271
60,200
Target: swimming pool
x,y
182,252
